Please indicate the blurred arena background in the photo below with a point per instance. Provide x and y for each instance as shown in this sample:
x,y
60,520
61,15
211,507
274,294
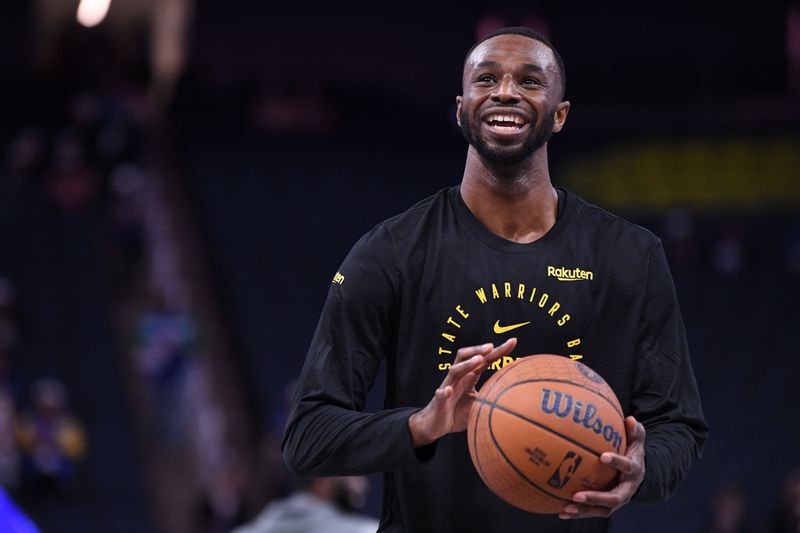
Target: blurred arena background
x,y
180,180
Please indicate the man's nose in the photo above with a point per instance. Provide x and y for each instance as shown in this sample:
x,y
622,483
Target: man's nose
x,y
506,90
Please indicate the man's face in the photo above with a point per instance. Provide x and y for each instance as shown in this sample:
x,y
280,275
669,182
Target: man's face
x,y
511,102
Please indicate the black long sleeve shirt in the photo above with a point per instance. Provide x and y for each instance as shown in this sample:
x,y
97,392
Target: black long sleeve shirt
x,y
434,279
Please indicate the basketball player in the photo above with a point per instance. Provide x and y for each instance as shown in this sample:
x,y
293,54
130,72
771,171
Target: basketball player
x,y
501,266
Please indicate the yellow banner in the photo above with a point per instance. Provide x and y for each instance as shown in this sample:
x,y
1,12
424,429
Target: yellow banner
x,y
701,174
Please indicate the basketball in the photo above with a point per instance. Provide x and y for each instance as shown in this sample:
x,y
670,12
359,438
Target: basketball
x,y
537,429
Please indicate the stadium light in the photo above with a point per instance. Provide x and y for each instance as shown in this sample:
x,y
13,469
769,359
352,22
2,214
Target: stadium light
x,y
92,12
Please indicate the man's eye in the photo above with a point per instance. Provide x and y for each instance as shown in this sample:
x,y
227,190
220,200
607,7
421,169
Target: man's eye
x,y
486,78
530,81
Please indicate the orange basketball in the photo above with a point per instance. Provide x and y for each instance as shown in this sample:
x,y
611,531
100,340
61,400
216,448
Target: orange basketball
x,y
537,429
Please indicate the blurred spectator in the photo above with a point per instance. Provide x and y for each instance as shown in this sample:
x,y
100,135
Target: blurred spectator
x,y
679,237
84,111
50,439
166,339
24,159
128,183
9,328
273,479
9,459
222,504
318,505
71,183
728,251
786,518
727,256
166,348
729,511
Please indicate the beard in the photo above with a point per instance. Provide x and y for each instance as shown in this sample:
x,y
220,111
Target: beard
x,y
505,155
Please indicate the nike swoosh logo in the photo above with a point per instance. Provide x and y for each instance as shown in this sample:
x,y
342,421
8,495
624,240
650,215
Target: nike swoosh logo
x,y
503,329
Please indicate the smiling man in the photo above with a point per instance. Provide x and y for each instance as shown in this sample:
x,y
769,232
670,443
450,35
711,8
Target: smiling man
x,y
538,71
502,266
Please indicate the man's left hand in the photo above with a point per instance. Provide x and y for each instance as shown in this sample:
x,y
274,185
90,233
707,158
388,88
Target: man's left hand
x,y
592,504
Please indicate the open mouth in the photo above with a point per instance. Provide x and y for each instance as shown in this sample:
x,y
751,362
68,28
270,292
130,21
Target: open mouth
x,y
503,123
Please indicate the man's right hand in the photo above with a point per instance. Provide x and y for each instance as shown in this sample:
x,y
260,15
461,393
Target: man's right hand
x,y
449,409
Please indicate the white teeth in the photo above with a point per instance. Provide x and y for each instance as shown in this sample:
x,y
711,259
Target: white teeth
x,y
505,118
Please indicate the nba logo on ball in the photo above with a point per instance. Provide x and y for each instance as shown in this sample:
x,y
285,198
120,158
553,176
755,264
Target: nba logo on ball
x,y
569,465
537,429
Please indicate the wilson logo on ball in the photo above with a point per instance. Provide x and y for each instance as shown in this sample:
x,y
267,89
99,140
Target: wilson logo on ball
x,y
561,404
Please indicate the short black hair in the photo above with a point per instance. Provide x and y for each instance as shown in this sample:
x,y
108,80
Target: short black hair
x,y
530,34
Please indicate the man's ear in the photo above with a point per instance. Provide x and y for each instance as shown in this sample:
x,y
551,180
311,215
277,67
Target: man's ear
x,y
561,112
458,110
